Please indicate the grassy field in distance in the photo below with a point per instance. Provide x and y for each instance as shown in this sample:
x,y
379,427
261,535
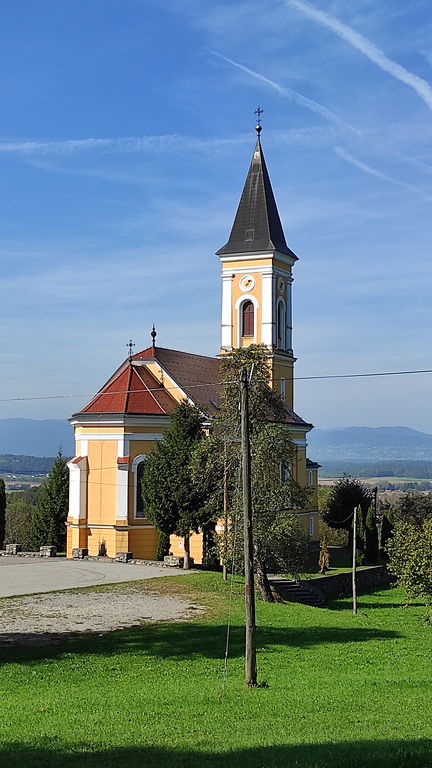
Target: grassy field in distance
x,y
374,480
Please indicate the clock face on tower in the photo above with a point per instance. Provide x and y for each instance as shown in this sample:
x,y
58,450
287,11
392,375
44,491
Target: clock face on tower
x,y
281,285
247,283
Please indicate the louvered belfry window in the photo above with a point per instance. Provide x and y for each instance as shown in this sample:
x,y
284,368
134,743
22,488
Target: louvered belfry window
x,y
247,319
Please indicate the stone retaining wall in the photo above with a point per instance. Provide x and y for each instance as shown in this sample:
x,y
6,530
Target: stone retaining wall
x,y
340,584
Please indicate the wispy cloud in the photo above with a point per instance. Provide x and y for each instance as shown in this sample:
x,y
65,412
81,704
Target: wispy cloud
x,y
282,90
366,47
164,143
374,172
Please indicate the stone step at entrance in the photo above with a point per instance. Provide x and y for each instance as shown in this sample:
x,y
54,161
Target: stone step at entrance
x,y
297,592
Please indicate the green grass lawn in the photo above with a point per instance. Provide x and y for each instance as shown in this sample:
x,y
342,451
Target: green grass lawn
x,y
340,691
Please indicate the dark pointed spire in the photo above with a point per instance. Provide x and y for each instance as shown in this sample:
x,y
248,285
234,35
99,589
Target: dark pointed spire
x,y
257,226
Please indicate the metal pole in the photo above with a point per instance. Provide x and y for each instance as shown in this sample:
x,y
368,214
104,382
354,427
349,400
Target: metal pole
x,y
250,646
354,582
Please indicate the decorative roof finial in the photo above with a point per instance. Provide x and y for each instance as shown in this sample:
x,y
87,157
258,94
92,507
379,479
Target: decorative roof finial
x,y
153,335
258,112
130,345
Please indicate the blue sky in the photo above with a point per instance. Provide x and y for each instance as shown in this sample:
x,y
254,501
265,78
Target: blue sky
x,y
125,137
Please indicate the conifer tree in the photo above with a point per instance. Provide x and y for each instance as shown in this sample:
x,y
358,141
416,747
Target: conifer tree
x,y
172,501
2,511
371,537
49,519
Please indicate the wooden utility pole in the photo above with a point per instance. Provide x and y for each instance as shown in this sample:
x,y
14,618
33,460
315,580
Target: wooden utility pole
x,y
354,582
250,648
225,514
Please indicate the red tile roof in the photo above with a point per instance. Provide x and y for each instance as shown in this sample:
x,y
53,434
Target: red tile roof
x,y
196,375
132,390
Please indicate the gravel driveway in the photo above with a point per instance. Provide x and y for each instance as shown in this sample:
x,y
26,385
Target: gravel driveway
x,y
35,612
48,618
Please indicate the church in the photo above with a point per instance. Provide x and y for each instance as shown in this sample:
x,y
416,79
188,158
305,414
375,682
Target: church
x,y
116,430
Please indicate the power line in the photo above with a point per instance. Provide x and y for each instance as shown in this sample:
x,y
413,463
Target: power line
x,y
208,384
360,375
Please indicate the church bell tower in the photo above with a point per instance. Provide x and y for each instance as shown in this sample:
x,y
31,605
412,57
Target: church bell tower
x,y
256,278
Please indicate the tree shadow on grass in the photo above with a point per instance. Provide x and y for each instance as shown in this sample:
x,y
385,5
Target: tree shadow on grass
x,y
359,754
339,605
178,640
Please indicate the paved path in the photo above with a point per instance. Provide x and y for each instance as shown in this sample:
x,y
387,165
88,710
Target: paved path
x,y
23,576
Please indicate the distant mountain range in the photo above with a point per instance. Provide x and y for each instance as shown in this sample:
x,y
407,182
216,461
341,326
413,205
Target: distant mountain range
x,y
36,438
369,444
350,444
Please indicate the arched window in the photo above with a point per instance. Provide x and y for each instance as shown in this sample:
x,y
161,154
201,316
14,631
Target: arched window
x,y
139,503
248,319
281,326
137,469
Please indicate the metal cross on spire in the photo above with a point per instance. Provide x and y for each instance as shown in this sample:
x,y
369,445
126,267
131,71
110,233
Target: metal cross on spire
x,y
130,345
258,112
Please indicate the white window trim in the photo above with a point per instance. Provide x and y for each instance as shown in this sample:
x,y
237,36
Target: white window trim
x,y
137,460
238,307
283,335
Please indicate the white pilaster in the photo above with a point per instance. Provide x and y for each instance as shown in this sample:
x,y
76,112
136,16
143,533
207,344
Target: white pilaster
x,y
289,314
122,491
78,488
267,319
226,323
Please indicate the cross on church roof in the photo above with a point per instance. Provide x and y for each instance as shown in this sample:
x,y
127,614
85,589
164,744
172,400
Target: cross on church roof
x,y
130,346
258,112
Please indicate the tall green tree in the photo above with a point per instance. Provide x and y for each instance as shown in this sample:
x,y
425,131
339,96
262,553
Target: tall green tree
x,y
279,542
410,547
2,512
49,519
346,494
386,527
19,515
172,500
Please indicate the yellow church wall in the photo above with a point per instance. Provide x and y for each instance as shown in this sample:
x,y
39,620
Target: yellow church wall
x,y
233,266
301,475
122,541
93,430
97,535
143,542
196,543
145,430
283,369
102,482
76,537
